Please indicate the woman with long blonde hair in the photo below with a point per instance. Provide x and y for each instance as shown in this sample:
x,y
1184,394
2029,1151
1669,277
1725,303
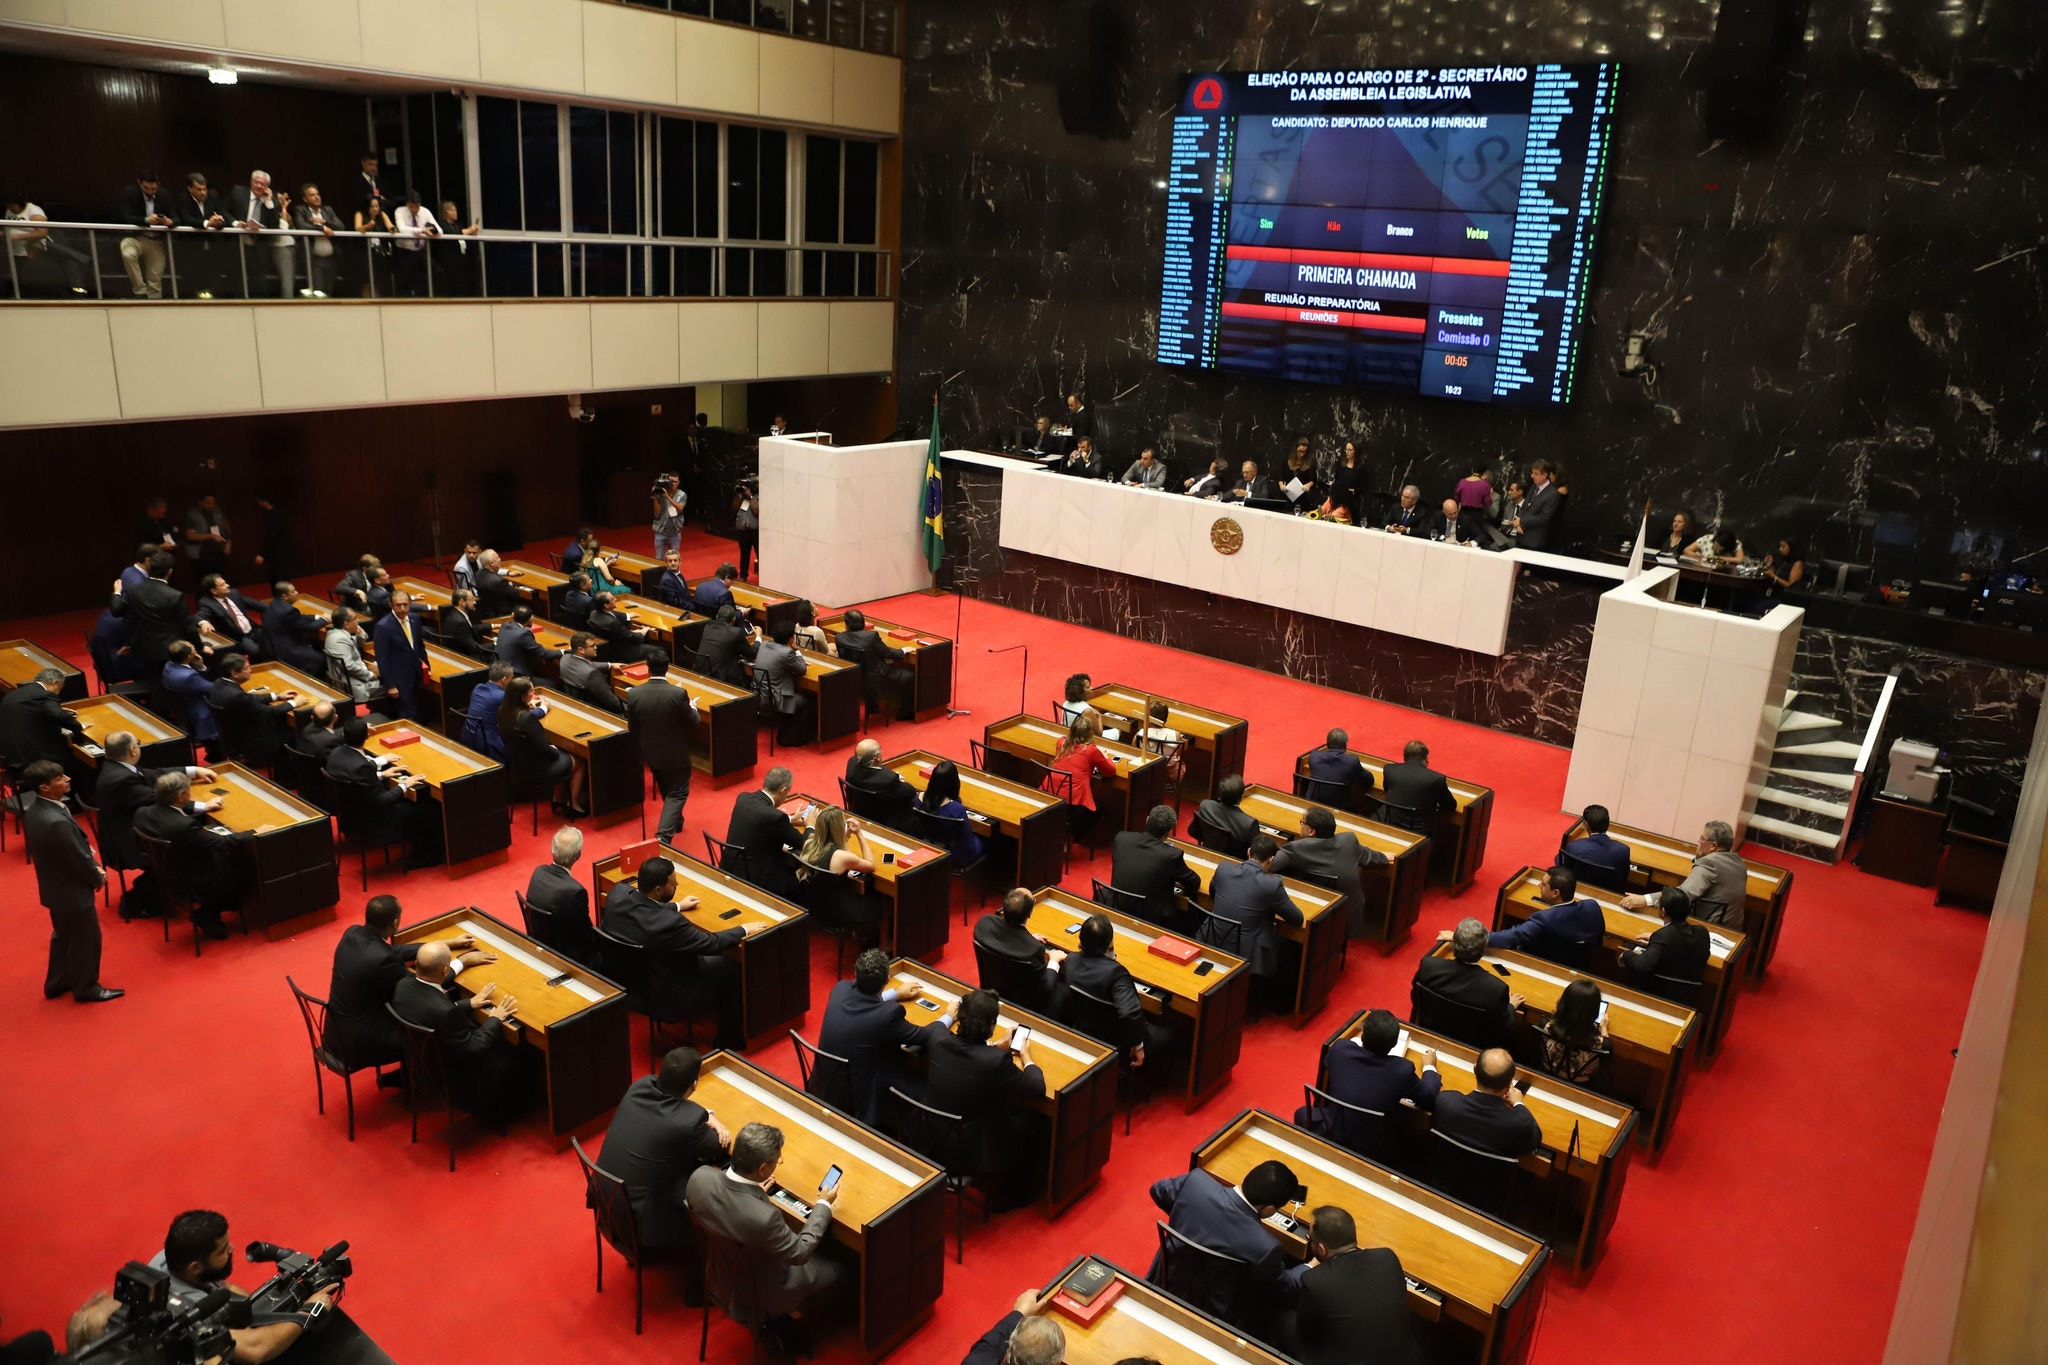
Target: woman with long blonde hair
x,y
826,846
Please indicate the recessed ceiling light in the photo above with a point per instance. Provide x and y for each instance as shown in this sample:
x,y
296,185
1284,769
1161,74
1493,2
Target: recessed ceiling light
x,y
221,75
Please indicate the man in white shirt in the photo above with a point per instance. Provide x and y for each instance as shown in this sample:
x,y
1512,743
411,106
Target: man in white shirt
x,y
416,226
40,261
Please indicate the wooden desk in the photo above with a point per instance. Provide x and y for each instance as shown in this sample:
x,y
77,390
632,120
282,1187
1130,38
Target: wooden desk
x,y
1147,1324
834,685
575,1019
1651,1038
1971,870
1521,896
164,745
929,656
1033,822
1658,860
21,660
451,678
473,791
774,957
618,784
1126,799
1320,934
1586,1137
1390,896
1213,1004
430,595
726,743
764,606
1080,1080
1459,841
636,569
282,678
674,629
317,607
917,884
542,588
1480,1281
296,875
890,1208
1215,742
1903,841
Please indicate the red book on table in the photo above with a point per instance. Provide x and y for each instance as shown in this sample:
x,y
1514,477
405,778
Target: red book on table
x,y
1085,1313
398,739
1176,950
633,855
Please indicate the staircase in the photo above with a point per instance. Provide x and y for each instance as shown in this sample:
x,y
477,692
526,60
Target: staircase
x,y
1805,802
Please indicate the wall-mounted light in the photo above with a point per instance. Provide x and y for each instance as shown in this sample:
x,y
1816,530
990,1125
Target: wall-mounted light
x,y
221,75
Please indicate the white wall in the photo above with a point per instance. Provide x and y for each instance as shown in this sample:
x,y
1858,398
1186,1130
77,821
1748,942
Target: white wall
x,y
77,363
1681,709
841,524
592,48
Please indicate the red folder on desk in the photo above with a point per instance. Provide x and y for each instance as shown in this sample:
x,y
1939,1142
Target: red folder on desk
x,y
1175,950
398,739
633,855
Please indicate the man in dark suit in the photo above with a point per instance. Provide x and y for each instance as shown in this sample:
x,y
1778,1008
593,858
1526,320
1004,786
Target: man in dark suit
x,y
1678,950
1464,979
1348,1300
230,613
1338,770
882,670
1408,517
367,970
250,723
724,645
202,265
624,642
485,1076
588,680
120,789
1562,932
518,647
760,828
460,626
320,735
1229,1219
1536,527
715,591
155,527
495,595
658,1138
1080,417
1023,1337
183,692
143,206
1144,864
1004,934
382,812
865,1023
1093,968
1330,857
294,636
1604,860
1234,830
1492,1116
401,654
204,859
1251,894
1365,1072
68,878
990,1086
688,970
34,725
560,903
1251,484
673,589
880,793
156,611
1082,461
1412,783
664,716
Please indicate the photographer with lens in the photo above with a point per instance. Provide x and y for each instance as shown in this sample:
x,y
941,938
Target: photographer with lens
x,y
669,501
199,1259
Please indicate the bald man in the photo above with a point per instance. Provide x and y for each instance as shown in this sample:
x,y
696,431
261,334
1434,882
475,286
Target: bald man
x,y
1492,1118
321,735
484,1073
879,793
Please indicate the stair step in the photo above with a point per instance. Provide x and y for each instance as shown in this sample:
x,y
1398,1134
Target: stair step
x,y
1790,693
1785,829
1818,776
1778,796
1827,748
1804,720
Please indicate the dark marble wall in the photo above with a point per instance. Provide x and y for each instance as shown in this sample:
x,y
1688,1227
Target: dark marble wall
x,y
1845,322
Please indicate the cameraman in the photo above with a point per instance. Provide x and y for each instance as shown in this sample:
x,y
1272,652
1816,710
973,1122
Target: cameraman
x,y
200,1258
669,501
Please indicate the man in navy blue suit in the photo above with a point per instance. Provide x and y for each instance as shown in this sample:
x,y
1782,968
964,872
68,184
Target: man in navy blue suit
x,y
401,653
1250,894
1563,931
865,1024
1365,1072
1230,1219
1335,765
1492,1118
1599,852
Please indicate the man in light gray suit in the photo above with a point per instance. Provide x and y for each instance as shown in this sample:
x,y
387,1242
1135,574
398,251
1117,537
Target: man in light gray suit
x,y
1323,852
1718,882
788,1271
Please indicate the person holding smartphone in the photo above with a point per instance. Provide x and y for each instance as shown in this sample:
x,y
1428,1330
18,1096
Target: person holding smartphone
x,y
794,1272
987,1082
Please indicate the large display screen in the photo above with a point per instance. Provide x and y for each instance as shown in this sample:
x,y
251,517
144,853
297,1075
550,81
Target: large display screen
x,y
1428,231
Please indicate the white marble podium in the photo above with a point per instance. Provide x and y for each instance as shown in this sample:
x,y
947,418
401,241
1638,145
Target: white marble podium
x,y
841,524
1681,709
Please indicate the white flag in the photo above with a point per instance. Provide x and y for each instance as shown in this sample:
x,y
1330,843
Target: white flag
x,y
1635,556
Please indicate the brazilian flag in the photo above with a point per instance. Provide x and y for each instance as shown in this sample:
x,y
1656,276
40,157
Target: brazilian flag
x,y
933,501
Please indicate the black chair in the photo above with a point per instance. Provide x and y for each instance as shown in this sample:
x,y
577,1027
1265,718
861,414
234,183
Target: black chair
x,y
952,1142
1213,1281
313,1010
1438,1013
92,822
731,858
977,754
945,831
1018,980
1485,1180
176,896
732,1281
1364,1131
297,770
1097,1017
368,824
826,1075
1567,953
857,802
1125,902
632,967
613,1220
426,1076
1592,874
1679,991
1410,818
534,922
1337,794
1214,839
1222,933
840,906
531,795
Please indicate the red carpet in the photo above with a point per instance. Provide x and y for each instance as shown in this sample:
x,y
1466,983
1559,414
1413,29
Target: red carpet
x,y
1774,1225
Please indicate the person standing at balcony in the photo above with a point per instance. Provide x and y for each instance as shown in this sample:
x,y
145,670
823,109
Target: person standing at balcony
x,y
199,269
417,226
313,214
455,257
256,208
143,252
367,187
371,217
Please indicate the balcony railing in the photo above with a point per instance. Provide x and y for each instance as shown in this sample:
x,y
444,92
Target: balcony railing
x,y
869,25
100,261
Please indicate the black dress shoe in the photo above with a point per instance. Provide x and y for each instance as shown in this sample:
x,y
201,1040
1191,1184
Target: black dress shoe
x,y
99,993
50,993
393,1079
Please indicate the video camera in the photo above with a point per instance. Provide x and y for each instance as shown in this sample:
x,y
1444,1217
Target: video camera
x,y
147,1330
299,1276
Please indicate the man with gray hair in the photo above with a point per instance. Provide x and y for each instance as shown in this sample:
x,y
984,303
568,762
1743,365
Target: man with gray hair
x,y
1463,979
255,208
881,794
761,830
34,725
1718,882
122,788
1408,519
558,903
202,856
1023,1337
790,1271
